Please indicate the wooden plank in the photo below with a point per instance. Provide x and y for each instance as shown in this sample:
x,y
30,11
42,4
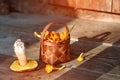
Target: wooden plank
x,y
67,3
116,6
100,5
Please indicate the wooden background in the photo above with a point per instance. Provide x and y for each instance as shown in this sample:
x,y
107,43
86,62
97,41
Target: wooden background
x,y
106,10
112,6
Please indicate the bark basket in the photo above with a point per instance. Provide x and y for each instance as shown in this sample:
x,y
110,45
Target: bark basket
x,y
52,52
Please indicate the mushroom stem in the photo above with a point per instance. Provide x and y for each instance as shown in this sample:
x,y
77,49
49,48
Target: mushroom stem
x,y
22,59
55,68
37,35
19,49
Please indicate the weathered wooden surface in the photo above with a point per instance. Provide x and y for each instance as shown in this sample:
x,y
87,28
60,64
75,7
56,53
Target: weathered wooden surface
x,y
99,5
99,41
25,6
101,63
4,8
93,15
67,3
116,6
85,9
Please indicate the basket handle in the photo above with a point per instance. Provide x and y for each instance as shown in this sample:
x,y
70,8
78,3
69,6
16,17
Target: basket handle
x,y
47,27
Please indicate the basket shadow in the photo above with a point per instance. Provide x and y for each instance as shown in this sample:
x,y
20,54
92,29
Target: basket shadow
x,y
85,44
95,67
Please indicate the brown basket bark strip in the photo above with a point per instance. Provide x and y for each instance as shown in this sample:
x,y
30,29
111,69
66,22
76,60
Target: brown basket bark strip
x,y
52,52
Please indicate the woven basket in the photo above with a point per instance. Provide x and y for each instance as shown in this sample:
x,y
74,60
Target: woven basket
x,y
52,52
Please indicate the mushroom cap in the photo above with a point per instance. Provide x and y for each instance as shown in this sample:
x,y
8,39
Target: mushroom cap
x,y
31,65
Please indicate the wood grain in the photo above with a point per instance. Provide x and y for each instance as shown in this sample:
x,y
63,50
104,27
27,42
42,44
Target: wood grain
x,y
67,3
116,6
100,5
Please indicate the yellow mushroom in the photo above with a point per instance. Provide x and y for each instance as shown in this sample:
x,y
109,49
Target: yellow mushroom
x,y
80,58
64,35
55,36
50,68
31,65
37,35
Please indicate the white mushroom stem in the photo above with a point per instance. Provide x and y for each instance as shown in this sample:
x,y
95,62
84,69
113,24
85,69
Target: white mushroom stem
x,y
19,49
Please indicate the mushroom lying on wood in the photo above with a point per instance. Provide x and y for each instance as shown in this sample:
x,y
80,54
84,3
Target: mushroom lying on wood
x,y
50,68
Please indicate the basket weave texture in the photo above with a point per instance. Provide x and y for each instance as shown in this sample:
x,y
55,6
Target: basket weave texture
x,y
52,52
